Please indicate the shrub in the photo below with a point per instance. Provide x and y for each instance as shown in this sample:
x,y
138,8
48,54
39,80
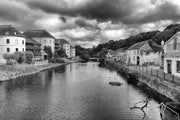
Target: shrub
x,y
60,53
29,57
10,59
20,57
7,56
10,62
48,50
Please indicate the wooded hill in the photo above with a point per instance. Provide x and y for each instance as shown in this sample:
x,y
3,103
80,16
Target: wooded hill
x,y
156,36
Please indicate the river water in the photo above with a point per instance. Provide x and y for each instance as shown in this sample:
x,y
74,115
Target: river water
x,y
79,91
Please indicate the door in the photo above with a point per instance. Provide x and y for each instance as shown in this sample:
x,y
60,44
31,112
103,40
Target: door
x,y
169,68
138,60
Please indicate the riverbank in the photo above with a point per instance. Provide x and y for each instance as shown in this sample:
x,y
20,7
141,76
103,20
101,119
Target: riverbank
x,y
9,72
151,85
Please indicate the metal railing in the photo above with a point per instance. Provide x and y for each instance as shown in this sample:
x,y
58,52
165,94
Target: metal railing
x,y
164,108
157,73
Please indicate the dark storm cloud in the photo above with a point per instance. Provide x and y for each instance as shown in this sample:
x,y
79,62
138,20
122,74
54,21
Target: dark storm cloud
x,y
115,10
165,11
81,22
98,9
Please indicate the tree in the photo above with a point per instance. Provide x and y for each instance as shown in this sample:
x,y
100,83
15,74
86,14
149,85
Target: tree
x,y
48,50
60,53
103,53
82,52
29,57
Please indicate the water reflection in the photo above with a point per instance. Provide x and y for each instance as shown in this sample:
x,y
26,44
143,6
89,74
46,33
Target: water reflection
x,y
78,91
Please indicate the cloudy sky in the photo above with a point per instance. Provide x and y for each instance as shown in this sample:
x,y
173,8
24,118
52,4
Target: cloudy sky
x,y
90,22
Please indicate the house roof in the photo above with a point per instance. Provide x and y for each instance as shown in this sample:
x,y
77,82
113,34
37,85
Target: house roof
x,y
154,46
72,47
172,37
120,50
38,33
32,41
9,30
63,41
137,45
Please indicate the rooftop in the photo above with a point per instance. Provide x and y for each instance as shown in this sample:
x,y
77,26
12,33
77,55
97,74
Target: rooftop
x,y
154,46
38,33
62,41
137,45
9,30
32,41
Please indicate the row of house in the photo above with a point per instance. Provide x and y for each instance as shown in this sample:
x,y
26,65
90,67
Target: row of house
x,y
68,48
148,52
12,40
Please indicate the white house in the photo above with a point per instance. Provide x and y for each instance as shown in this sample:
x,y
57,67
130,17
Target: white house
x,y
111,55
144,53
73,52
66,46
172,55
120,54
11,40
43,37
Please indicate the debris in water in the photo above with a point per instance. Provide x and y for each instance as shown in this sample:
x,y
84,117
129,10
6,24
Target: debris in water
x,y
144,105
115,83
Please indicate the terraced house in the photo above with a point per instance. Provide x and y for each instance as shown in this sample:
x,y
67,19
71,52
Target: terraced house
x,y
11,40
34,47
43,37
66,46
146,52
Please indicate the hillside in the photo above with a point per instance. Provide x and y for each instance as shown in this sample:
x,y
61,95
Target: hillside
x,y
156,36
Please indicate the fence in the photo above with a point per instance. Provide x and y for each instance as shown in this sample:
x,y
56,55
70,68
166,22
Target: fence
x,y
157,73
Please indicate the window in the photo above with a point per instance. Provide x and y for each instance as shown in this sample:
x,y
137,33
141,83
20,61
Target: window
x,y
137,51
23,42
16,41
175,43
44,41
178,67
8,49
16,49
7,41
23,49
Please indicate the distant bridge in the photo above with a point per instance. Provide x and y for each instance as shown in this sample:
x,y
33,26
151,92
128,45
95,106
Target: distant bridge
x,y
94,59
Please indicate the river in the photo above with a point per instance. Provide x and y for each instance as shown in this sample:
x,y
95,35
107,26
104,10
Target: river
x,y
78,91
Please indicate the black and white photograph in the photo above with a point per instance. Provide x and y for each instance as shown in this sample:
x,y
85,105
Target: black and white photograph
x,y
89,59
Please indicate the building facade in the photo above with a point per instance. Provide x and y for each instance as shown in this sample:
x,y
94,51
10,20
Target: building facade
x,y
143,53
34,47
58,45
44,38
67,49
111,55
11,40
172,55
73,52
120,55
